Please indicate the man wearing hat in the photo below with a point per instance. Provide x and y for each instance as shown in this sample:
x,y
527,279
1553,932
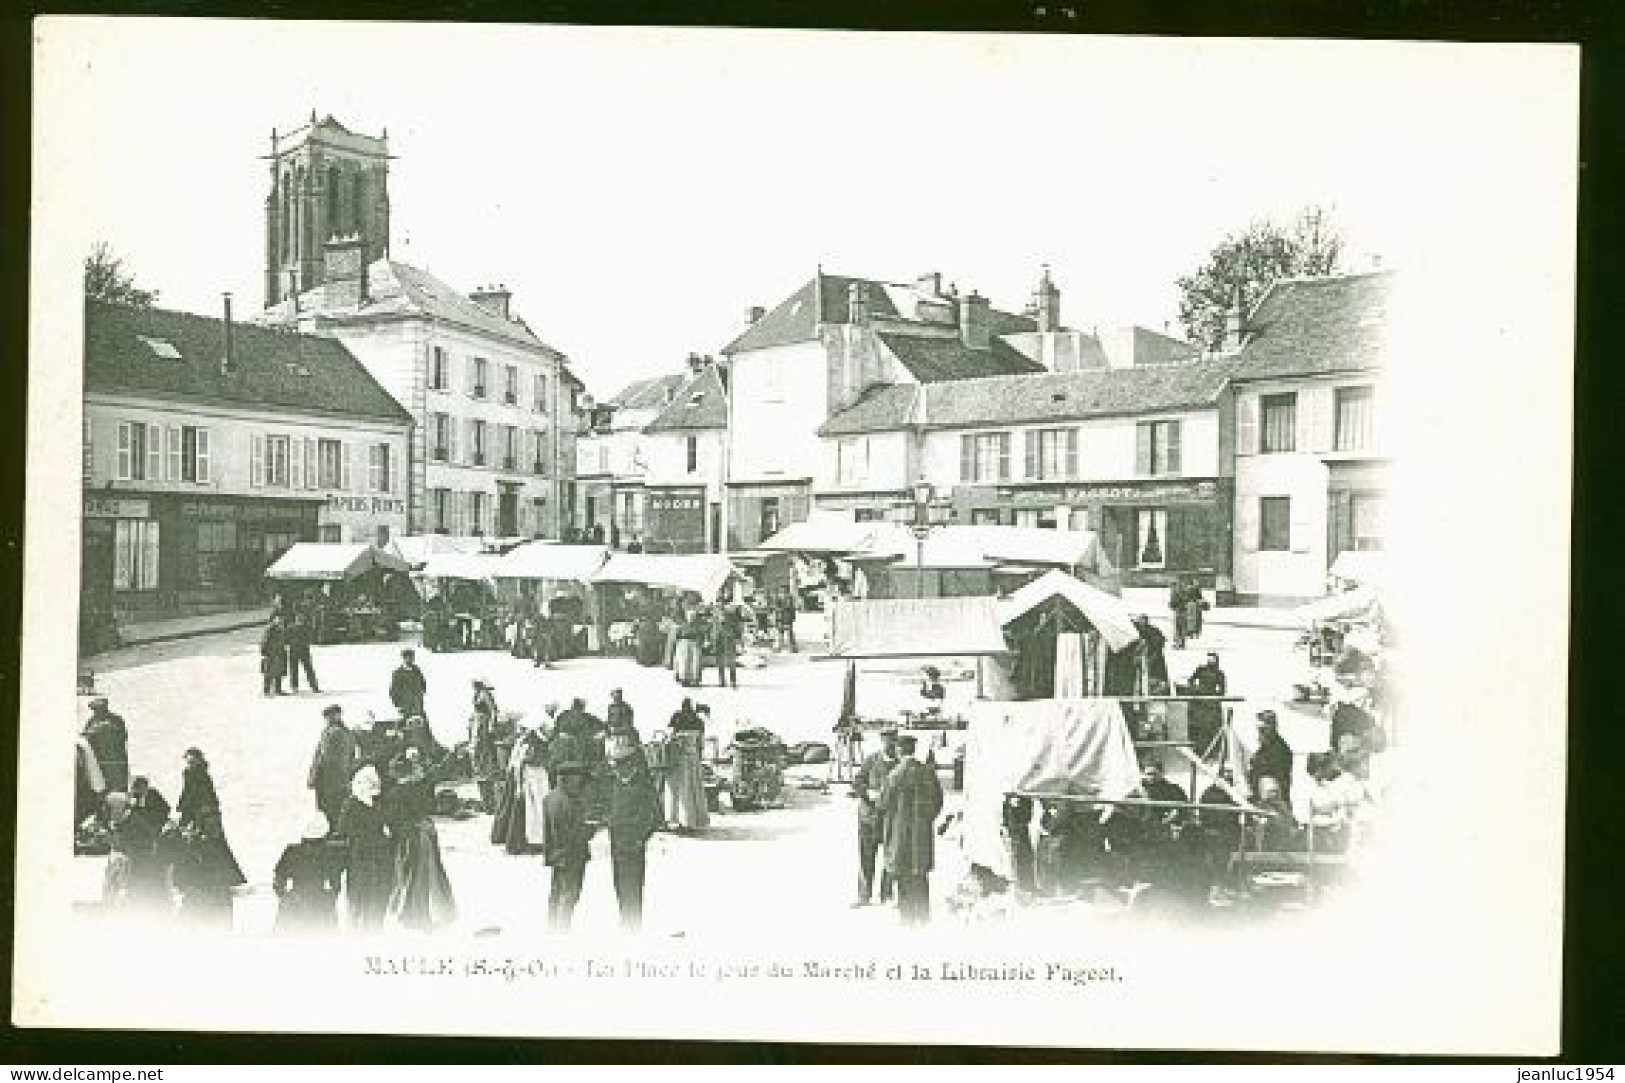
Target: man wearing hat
x,y
910,802
333,764
108,738
1273,757
867,784
635,815
566,841
407,687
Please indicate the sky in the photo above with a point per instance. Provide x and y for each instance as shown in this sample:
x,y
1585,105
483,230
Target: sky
x,y
639,190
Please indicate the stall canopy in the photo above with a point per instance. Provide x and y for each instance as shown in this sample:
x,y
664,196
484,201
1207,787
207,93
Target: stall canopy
x,y
474,567
704,574
330,561
415,549
548,560
833,535
1361,566
1349,605
985,546
915,628
1107,613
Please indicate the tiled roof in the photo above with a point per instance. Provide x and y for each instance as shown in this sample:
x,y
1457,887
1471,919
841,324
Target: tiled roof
x,y
650,394
1015,400
273,369
702,403
1317,326
826,299
396,288
930,359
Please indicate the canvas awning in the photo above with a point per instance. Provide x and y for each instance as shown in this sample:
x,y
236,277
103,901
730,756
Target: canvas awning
x,y
1344,606
829,534
1110,617
474,567
984,546
915,628
330,561
704,574
415,549
548,560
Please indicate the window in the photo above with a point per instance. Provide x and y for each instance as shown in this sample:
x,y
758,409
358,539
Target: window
x,y
1052,454
442,437
510,453
984,457
476,509
440,502
216,541
330,460
439,370
1156,450
768,517
378,479
194,454
161,348
173,444
852,460
538,451
868,515
135,554
691,453
476,379
140,452
1274,524
476,430
511,394
1353,418
538,508
1151,530
277,455
330,532
541,393
1279,431
382,538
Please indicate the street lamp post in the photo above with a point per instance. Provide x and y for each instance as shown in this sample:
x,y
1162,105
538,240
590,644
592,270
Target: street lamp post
x,y
929,514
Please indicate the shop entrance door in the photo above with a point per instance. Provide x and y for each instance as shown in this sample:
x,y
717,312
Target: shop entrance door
x,y
507,511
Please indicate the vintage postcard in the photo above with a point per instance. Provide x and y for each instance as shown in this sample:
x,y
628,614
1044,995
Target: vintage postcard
x,y
932,538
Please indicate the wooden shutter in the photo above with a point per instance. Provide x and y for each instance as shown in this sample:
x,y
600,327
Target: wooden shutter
x,y
1004,456
155,453
1031,439
257,461
473,377
346,475
1246,424
451,438
122,468
203,456
1072,453
1340,525
967,458
1172,429
1142,449
172,460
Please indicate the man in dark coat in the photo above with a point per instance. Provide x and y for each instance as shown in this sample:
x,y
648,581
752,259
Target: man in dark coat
x,y
544,648
784,612
147,803
910,802
299,639
634,816
867,785
109,739
726,631
566,842
1152,658
273,657
1273,758
408,686
1206,719
333,765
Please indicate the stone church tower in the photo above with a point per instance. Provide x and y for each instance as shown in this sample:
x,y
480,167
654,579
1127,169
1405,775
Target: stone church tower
x,y
326,182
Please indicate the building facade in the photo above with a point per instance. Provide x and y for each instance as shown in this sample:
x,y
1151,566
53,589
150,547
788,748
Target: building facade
x,y
612,460
210,447
686,451
1310,456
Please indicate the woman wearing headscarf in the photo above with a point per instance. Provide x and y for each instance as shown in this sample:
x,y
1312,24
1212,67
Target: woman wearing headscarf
x,y
307,879
684,797
133,877
422,898
517,827
686,660
207,870
370,852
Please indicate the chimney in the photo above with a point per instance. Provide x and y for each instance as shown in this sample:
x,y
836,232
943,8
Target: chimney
x,y
344,273
697,364
1047,303
930,284
857,303
497,300
228,357
1235,324
975,321
754,314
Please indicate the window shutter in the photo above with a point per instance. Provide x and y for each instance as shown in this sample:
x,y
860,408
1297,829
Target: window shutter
x,y
123,546
172,460
1173,447
122,471
473,377
1298,524
1246,424
393,478
1246,526
149,555
1325,418
451,438
1142,449
203,456
345,478
1004,456
155,453
967,458
1072,453
256,459
1340,525
1030,440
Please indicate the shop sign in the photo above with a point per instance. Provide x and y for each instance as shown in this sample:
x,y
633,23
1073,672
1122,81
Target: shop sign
x,y
366,505
1124,492
676,515
112,507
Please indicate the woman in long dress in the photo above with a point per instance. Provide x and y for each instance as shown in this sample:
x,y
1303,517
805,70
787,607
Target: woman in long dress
x,y
207,870
422,898
686,661
485,757
684,796
370,855
518,826
307,879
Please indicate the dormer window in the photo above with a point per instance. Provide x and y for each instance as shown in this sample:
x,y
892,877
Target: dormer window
x,y
161,348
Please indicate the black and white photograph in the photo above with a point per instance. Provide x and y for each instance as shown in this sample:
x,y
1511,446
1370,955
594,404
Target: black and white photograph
x,y
796,535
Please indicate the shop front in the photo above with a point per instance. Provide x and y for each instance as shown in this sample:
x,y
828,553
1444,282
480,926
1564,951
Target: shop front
x,y
1152,531
675,520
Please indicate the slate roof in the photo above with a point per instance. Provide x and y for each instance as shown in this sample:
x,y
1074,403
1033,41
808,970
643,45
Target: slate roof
x,y
929,360
396,288
1015,400
1317,326
825,299
701,403
650,394
273,370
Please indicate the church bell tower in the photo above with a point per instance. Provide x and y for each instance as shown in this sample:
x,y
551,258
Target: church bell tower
x,y
326,182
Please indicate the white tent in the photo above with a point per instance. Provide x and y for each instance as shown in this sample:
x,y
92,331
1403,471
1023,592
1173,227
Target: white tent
x,y
415,549
475,567
916,628
985,546
704,574
1347,605
832,534
548,560
1365,567
1110,617
330,561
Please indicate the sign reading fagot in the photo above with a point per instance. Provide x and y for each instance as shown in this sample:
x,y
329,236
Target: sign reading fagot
x,y
676,516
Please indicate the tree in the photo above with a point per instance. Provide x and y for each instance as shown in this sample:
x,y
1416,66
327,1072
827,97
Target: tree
x,y
107,279
1246,264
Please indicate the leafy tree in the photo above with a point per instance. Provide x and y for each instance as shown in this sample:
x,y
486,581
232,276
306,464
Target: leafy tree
x,y
1244,266
107,279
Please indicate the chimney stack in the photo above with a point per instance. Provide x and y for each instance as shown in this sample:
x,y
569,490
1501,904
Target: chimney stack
x,y
497,300
698,363
754,314
857,303
1047,303
930,284
345,271
975,321
1235,324
228,359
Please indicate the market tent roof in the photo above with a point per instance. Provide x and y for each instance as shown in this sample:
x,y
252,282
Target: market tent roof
x,y
1111,618
414,549
549,560
471,566
703,573
1361,566
915,628
1349,604
831,533
330,561
982,546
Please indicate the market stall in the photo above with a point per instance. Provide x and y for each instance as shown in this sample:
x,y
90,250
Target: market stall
x,y
1062,630
554,593
631,587
968,560
351,592
464,608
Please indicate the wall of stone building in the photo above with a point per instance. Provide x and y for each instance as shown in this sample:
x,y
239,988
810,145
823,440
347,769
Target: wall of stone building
x,y
856,361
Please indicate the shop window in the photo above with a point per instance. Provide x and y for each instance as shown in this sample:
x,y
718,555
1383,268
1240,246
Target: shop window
x,y
1274,524
1151,533
135,554
1354,406
1279,431
216,541
330,532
